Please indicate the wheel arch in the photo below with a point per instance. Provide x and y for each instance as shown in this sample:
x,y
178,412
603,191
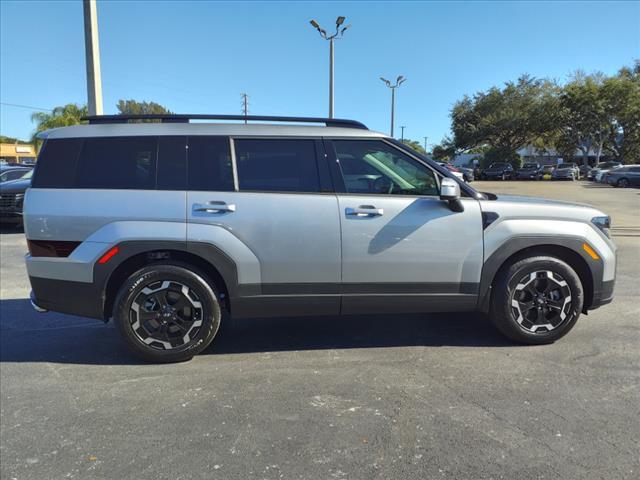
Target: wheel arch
x,y
568,250
211,261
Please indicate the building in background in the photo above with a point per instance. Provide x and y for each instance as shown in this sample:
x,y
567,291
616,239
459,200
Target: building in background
x,y
17,153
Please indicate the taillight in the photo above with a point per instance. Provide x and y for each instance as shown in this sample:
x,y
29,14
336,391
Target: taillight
x,y
51,248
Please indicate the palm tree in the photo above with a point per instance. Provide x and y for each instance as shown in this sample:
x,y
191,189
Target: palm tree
x,y
64,116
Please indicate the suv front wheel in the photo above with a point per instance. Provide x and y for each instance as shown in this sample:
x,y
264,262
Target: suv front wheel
x,y
167,313
536,300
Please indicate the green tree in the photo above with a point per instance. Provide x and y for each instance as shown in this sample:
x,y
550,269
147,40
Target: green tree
x,y
445,151
133,107
415,145
583,117
5,139
504,120
622,98
64,116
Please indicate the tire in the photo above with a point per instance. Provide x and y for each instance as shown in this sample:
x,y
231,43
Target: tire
x,y
551,316
152,297
622,183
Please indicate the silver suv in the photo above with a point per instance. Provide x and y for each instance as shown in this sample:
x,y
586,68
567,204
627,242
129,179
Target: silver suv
x,y
164,226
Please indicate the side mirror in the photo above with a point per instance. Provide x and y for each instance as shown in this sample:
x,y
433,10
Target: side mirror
x,y
450,192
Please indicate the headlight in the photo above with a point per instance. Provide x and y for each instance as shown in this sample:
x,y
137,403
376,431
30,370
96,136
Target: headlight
x,y
603,223
19,199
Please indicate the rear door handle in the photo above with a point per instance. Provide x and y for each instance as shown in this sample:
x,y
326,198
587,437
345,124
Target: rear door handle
x,y
364,211
214,207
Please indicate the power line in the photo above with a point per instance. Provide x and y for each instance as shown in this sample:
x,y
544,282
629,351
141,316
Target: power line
x,y
29,107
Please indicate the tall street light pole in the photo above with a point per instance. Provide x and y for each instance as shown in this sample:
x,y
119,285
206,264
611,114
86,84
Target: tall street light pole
x,y
425,144
402,134
323,33
92,53
399,81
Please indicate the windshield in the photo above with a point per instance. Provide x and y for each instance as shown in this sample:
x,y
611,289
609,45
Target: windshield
x,y
497,165
565,165
27,175
530,165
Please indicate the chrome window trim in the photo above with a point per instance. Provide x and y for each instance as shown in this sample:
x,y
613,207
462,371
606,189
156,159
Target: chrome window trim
x,y
234,165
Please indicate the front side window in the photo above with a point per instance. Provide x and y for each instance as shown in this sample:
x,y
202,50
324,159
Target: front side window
x,y
118,163
372,166
277,165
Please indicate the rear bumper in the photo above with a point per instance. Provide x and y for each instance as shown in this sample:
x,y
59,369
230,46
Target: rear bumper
x,y
73,298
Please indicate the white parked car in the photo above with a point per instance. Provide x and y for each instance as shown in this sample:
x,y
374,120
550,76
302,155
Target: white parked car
x,y
596,174
456,172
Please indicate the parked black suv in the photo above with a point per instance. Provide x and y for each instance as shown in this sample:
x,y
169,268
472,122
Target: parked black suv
x,y
529,171
500,170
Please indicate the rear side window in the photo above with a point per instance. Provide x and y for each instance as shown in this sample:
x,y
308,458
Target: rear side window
x,y
277,165
118,163
56,166
209,164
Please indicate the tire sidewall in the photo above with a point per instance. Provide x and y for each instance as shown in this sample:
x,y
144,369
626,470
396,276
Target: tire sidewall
x,y
501,311
154,273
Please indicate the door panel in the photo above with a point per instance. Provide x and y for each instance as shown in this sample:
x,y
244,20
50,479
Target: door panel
x,y
402,251
416,255
295,237
413,240
284,219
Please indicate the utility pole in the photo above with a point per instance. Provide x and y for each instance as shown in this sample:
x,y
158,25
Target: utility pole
x,y
425,144
402,127
331,38
92,54
245,105
399,81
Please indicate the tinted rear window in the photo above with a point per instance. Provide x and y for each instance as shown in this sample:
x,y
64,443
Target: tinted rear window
x,y
143,162
118,162
277,165
209,161
56,166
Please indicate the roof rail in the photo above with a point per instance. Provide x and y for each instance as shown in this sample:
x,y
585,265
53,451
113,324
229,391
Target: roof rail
x,y
185,118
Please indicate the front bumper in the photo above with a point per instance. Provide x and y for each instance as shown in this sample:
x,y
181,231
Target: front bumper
x,y
10,216
603,295
495,174
528,175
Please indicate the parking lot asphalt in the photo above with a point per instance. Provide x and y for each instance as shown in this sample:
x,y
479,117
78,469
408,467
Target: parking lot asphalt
x,y
389,397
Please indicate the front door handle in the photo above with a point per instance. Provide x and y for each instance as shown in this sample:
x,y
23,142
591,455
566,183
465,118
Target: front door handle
x,y
364,211
214,207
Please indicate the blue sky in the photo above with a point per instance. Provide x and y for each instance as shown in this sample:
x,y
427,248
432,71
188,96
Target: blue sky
x,y
197,57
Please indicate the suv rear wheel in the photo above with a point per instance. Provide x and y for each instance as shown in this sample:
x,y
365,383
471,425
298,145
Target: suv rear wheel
x,y
167,313
622,183
536,300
